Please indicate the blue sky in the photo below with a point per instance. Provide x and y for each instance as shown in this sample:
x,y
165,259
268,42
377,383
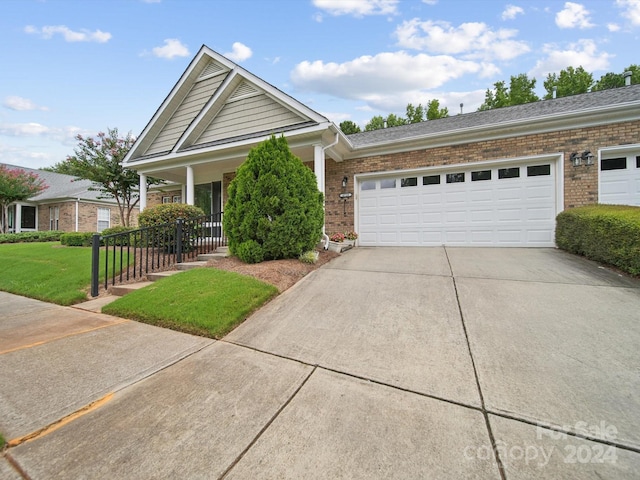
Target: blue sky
x,y
80,66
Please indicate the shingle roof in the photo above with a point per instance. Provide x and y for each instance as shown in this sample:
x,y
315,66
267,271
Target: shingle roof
x,y
498,116
61,186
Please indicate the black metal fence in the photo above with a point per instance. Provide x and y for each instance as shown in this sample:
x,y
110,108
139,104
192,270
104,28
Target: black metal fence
x,y
133,254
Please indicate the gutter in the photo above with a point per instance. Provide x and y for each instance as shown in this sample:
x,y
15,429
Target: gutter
x,y
325,237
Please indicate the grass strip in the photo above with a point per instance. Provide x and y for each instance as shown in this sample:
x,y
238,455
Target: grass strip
x,y
204,301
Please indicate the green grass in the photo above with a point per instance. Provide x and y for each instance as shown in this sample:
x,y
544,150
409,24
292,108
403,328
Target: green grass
x,y
202,301
46,271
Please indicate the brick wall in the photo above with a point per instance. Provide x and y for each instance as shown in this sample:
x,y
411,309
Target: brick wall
x,y
155,198
87,216
581,183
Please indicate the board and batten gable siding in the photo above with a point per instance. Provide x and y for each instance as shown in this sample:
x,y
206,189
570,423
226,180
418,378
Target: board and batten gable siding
x,y
183,116
249,115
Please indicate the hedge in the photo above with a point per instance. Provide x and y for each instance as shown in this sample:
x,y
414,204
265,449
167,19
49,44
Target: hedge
x,y
605,233
23,237
168,213
77,239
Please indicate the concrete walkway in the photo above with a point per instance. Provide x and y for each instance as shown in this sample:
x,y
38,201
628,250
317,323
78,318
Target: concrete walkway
x,y
386,363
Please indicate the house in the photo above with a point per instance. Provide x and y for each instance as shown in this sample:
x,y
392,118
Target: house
x,y
67,204
490,178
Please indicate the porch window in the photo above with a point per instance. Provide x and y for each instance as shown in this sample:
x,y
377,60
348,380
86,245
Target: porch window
x,y
54,218
28,220
104,218
208,196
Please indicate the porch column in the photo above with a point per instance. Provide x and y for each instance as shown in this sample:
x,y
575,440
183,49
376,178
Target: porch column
x,y
143,191
190,186
17,221
318,166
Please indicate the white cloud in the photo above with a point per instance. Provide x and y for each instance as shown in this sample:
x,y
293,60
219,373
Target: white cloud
x,y
357,8
511,11
23,129
172,48
47,32
27,158
474,40
574,15
239,52
384,79
581,53
430,2
631,10
613,27
21,104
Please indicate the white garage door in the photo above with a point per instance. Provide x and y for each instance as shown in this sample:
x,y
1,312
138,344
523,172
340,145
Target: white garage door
x,y
512,205
620,180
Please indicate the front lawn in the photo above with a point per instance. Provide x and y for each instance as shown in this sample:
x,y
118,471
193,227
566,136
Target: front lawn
x,y
204,301
46,271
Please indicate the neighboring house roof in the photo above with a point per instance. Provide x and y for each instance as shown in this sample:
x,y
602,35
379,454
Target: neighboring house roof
x,y
62,187
574,111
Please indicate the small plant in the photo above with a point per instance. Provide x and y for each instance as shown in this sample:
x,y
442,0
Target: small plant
x,y
351,235
250,252
337,237
309,257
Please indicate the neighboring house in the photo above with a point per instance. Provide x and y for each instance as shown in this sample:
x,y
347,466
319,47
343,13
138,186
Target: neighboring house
x,y
67,204
497,177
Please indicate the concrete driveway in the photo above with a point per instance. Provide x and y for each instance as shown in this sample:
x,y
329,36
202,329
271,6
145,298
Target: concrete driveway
x,y
386,363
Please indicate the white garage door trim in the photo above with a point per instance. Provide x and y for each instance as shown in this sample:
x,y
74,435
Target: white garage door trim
x,y
452,222
619,175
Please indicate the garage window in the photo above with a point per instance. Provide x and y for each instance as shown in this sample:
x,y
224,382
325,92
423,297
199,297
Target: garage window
x,y
388,183
431,180
613,164
538,170
368,185
509,173
455,177
481,175
638,161
409,182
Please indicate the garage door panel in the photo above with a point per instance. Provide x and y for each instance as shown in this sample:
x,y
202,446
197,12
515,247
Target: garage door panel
x,y
410,238
410,219
479,196
509,215
389,219
453,217
482,216
509,194
368,202
456,197
431,218
409,200
388,201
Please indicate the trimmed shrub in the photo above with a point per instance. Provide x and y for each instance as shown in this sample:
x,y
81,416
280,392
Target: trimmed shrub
x,y
250,252
123,240
23,237
275,203
168,213
605,233
77,239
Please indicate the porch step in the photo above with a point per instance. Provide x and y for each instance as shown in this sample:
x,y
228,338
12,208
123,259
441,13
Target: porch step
x,y
160,275
121,290
204,257
224,250
190,265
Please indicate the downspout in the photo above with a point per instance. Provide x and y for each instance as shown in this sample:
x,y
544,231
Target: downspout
x,y
77,212
325,237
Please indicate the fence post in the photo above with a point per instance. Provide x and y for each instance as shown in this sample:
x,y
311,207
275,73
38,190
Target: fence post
x,y
179,240
95,264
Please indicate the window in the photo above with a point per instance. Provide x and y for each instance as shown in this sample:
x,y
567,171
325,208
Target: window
x,y
509,172
613,164
166,199
177,199
368,185
431,180
388,183
409,182
481,175
54,218
104,218
638,161
455,177
28,220
538,170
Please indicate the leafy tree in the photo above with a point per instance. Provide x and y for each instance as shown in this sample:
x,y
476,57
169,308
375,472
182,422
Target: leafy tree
x,y
415,114
570,81
16,185
274,208
496,98
376,123
521,90
100,160
434,111
395,121
615,80
348,127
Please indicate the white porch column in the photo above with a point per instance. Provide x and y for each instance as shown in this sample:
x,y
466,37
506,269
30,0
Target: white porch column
x,y
318,166
190,186
143,191
17,221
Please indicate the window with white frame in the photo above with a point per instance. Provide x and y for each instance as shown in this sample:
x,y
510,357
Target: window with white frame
x,y
166,199
54,218
104,218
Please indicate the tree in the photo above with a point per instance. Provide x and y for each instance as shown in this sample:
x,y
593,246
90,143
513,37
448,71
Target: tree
x,y
434,111
496,98
376,123
395,121
521,90
275,209
348,127
570,81
16,185
100,160
615,80
415,114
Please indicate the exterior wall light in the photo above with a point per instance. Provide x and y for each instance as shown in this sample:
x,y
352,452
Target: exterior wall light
x,y
575,159
587,157
344,182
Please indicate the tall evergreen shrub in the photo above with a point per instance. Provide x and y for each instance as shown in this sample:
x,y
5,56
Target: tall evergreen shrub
x,y
274,209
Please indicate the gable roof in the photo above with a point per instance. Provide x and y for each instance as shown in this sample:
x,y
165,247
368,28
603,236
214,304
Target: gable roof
x,y
209,105
543,115
62,187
